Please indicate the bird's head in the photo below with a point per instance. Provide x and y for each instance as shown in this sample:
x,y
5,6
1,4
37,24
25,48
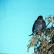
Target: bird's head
x,y
40,18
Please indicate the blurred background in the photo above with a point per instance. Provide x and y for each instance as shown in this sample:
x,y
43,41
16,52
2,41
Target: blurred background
x,y
16,20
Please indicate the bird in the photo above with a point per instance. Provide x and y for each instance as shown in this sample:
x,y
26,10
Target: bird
x,y
38,25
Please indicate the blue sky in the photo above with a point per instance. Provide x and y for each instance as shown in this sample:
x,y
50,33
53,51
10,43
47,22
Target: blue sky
x,y
16,20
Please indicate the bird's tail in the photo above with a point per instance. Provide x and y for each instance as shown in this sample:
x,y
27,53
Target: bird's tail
x,y
31,34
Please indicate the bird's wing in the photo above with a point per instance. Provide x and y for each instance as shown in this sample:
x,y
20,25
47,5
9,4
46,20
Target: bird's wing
x,y
34,25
